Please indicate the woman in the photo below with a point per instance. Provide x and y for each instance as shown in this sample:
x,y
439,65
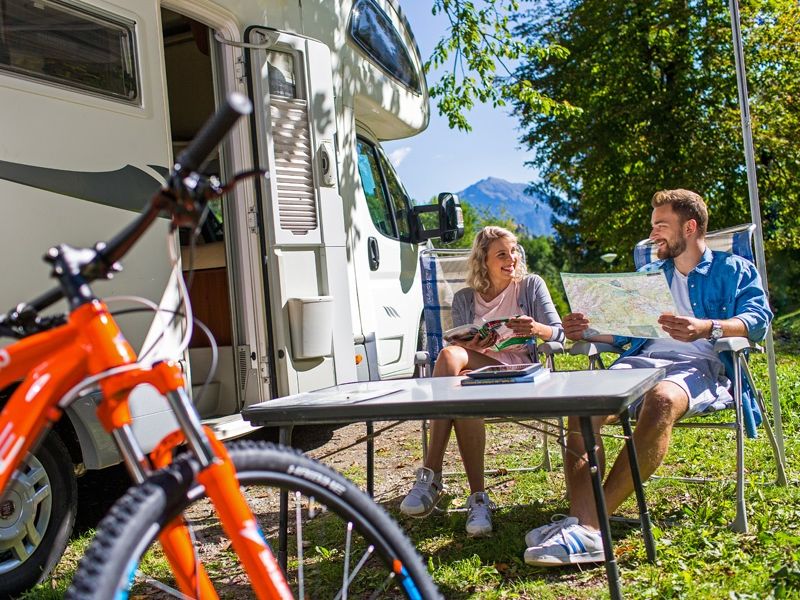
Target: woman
x,y
498,287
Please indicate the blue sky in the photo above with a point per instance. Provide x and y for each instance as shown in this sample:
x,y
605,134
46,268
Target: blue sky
x,y
444,160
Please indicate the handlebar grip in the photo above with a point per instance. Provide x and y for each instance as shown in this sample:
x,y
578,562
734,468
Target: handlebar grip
x,y
213,131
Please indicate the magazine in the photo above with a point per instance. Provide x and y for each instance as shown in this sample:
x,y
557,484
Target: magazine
x,y
506,339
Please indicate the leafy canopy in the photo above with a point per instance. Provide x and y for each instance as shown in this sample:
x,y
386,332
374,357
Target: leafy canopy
x,y
480,52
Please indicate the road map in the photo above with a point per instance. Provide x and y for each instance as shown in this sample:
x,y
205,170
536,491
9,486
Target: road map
x,y
627,304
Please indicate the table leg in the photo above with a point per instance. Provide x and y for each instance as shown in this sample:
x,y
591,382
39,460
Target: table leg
x,y
644,514
612,570
370,459
285,439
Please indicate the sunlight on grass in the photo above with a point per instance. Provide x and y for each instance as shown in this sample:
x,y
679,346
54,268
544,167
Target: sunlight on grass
x,y
698,556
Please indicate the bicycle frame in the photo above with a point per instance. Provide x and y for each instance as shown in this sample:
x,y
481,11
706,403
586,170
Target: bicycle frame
x,y
53,362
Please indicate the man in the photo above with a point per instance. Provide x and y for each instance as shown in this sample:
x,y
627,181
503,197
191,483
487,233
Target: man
x,y
716,295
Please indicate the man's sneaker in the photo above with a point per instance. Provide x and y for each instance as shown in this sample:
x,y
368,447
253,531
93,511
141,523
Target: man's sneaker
x,y
535,537
479,514
422,498
572,545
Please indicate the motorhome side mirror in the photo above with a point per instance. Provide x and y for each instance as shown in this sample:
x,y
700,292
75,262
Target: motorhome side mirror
x,y
451,217
443,220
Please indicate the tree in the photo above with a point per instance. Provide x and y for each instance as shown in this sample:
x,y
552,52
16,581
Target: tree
x,y
655,84
482,51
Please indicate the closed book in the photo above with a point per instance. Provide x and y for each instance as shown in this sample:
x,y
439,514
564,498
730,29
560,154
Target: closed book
x,y
538,375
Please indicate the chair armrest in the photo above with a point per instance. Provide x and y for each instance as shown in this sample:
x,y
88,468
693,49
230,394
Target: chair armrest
x,y
593,348
421,358
733,344
551,348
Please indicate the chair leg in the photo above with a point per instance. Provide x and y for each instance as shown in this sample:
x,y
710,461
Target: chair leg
x,y
740,522
546,463
780,466
425,427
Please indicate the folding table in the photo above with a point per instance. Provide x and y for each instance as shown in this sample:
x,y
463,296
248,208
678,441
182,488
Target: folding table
x,y
567,393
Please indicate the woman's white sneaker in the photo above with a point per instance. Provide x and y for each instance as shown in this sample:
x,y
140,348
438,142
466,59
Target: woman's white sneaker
x,y
479,514
425,494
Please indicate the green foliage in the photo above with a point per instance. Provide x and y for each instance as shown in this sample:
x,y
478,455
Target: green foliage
x,y
656,85
479,43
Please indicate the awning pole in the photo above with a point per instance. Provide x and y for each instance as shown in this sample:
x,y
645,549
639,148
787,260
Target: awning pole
x,y
755,211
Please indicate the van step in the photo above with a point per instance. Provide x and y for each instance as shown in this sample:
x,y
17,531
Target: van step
x,y
229,427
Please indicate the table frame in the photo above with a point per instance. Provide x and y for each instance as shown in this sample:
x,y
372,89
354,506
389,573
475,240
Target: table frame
x,y
502,400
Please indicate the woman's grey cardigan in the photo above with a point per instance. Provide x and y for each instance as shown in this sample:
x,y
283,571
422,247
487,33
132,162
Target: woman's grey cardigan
x,y
533,300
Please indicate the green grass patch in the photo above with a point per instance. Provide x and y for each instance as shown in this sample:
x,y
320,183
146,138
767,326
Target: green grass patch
x,y
698,555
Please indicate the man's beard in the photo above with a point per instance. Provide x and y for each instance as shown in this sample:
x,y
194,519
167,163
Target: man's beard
x,y
671,250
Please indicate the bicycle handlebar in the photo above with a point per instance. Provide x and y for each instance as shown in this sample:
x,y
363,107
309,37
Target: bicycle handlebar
x,y
167,198
212,133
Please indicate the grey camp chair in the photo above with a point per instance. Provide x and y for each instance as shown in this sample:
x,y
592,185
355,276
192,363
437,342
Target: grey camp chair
x,y
735,240
444,273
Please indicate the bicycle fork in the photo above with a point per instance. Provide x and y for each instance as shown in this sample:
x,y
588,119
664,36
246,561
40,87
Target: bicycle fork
x,y
218,476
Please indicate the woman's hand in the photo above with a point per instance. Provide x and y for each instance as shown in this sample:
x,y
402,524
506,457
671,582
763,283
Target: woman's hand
x,y
575,324
523,326
478,343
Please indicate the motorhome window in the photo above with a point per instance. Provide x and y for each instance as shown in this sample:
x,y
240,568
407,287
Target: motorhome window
x,y
399,198
374,33
371,183
69,45
280,74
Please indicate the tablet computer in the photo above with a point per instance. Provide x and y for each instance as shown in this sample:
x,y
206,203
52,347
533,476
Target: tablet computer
x,y
504,370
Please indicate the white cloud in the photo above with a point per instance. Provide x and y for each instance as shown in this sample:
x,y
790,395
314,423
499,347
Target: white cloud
x,y
397,156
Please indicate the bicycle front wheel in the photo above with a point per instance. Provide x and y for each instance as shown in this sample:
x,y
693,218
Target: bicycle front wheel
x,y
340,543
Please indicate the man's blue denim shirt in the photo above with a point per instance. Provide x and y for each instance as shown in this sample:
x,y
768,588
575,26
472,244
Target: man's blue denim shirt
x,y
721,286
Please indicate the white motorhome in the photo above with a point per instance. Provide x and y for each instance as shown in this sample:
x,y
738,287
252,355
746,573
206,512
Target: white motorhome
x,y
307,279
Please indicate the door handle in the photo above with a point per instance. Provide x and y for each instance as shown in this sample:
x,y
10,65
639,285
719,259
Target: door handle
x,y
374,254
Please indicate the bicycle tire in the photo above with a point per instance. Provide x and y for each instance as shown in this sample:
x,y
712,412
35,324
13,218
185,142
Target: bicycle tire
x,y
134,522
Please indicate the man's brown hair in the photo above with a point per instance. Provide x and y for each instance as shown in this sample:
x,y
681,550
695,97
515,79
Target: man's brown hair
x,y
686,204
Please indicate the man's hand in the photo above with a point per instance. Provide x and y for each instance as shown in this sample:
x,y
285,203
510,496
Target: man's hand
x,y
523,326
685,329
478,343
575,324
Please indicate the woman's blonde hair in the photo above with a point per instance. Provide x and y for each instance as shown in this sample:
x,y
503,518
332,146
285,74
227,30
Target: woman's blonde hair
x,y
477,272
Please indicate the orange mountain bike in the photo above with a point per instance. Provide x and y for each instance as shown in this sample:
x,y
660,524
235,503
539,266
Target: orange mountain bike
x,y
203,550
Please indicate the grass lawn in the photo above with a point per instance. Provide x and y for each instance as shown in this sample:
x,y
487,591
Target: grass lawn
x,y
698,556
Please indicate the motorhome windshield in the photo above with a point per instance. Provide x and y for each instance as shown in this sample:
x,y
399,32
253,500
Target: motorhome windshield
x,y
374,33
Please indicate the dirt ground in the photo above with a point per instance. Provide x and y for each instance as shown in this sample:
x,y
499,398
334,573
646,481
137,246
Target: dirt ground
x,y
397,455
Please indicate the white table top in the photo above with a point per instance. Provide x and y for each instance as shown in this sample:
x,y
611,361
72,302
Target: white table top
x,y
561,393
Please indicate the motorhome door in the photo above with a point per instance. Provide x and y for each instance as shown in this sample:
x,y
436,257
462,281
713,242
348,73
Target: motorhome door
x,y
301,211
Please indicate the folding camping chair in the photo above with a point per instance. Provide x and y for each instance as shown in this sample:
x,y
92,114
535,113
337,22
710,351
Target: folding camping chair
x,y
444,272
735,240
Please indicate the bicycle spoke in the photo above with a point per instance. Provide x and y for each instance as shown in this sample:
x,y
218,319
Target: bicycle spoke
x,y
379,592
345,574
299,518
364,558
162,586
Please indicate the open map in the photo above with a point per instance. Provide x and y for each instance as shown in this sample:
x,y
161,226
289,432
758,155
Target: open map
x,y
626,304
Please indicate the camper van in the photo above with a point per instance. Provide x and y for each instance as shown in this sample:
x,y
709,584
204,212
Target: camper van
x,y
307,278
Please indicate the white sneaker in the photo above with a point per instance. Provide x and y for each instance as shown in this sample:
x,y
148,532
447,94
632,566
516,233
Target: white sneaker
x,y
422,498
536,536
572,545
479,514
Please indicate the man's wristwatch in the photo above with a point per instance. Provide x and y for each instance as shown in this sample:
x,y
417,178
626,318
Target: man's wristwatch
x,y
716,330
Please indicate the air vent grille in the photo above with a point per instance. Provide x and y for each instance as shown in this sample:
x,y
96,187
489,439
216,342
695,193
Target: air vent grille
x,y
297,204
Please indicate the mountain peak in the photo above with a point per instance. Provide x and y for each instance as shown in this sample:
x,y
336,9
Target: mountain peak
x,y
497,196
